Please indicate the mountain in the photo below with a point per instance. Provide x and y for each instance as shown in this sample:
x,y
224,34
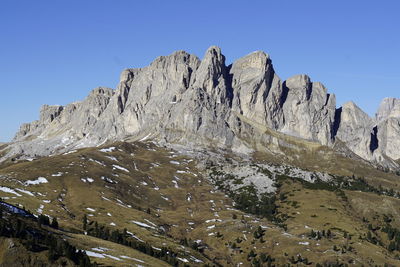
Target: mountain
x,y
191,162
205,103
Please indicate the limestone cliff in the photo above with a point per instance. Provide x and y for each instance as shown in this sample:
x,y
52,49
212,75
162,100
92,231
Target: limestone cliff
x,y
182,99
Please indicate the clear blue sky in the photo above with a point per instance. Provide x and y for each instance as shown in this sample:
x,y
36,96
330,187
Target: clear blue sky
x,y
55,52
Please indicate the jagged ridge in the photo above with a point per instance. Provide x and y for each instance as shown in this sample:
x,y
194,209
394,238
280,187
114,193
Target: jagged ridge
x,y
180,98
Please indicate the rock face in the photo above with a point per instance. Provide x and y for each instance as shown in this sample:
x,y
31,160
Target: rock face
x,y
308,110
388,128
180,98
356,130
257,90
389,108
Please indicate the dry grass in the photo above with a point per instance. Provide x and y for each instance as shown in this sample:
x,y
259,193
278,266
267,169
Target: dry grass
x,y
115,250
148,184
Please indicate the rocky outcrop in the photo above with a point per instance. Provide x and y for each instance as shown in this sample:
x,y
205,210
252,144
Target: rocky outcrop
x,y
180,98
389,108
374,139
388,128
257,90
356,130
212,76
308,110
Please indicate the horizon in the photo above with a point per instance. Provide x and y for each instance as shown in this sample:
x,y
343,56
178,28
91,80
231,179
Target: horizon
x,y
58,58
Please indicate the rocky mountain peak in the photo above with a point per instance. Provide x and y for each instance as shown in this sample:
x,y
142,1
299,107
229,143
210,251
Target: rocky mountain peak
x,y
181,99
300,81
309,112
389,107
257,90
176,58
351,109
211,75
257,60
214,52
388,128
355,129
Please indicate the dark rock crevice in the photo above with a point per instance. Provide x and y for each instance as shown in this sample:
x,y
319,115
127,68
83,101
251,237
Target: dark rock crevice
x,y
336,123
284,95
228,77
373,145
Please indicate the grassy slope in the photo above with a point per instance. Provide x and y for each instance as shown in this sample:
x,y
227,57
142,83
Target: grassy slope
x,y
70,197
147,185
323,210
116,250
13,253
315,157
325,159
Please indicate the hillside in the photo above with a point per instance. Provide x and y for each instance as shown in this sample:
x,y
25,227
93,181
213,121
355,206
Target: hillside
x,y
181,206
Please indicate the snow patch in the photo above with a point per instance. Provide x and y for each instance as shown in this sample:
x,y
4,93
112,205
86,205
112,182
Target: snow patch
x,y
98,162
103,197
195,259
40,209
39,180
130,258
137,238
120,168
94,254
9,190
87,179
70,152
100,249
175,184
141,224
213,220
155,225
145,138
109,149
25,192
108,180
112,158
112,257
182,259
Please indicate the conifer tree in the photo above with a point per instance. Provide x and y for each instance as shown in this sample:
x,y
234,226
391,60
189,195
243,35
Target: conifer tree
x,y
329,233
85,222
54,223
